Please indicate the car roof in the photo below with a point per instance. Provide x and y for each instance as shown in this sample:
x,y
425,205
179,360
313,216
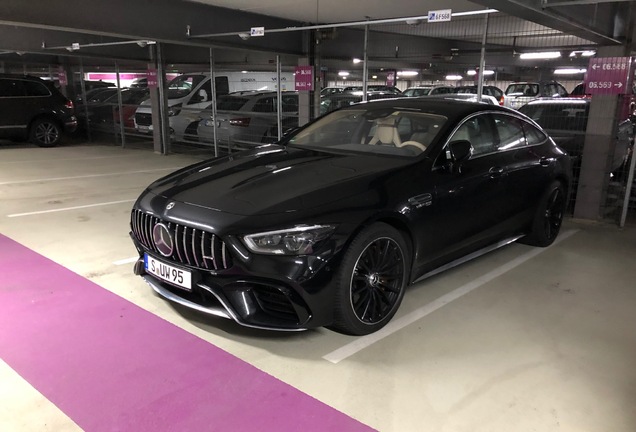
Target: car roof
x,y
18,76
559,101
446,106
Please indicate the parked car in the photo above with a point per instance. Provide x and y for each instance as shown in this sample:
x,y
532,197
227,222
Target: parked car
x,y
106,113
468,97
579,91
428,90
487,90
374,88
520,93
339,100
331,90
248,119
565,120
31,108
329,226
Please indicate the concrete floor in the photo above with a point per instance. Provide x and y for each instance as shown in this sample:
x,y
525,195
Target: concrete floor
x,y
522,339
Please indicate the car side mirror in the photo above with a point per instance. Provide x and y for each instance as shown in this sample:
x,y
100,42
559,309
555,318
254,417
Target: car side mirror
x,y
458,152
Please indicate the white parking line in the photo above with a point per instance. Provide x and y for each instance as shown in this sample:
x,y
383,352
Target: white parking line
x,y
125,261
397,324
69,208
88,176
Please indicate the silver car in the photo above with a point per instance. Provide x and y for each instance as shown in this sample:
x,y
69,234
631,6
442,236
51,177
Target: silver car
x,y
520,93
248,118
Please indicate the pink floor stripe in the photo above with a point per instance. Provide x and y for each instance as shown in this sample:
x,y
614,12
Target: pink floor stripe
x,y
112,366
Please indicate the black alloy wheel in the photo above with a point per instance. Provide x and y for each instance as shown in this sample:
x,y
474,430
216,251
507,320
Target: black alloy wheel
x,y
549,217
372,280
45,132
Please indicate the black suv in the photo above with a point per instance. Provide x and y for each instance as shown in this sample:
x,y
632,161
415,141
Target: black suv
x,y
32,108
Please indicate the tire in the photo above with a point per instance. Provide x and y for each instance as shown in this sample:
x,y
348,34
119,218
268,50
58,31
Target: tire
x,y
548,218
45,132
371,280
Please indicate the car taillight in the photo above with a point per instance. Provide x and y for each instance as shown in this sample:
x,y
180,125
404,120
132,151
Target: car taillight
x,y
243,121
501,101
69,104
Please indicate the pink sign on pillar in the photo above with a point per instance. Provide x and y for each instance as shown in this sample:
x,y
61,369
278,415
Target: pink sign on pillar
x,y
390,78
304,78
61,76
152,78
609,75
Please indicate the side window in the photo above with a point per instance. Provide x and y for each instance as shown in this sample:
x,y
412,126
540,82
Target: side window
x,y
11,88
203,94
290,103
265,104
510,132
33,88
561,90
478,131
533,135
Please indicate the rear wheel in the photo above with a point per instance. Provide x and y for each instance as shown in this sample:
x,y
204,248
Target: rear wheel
x,y
549,216
371,280
45,132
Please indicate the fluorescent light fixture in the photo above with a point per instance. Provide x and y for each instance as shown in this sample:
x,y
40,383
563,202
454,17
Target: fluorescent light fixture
x,y
453,77
243,71
569,71
374,77
407,73
356,60
588,53
343,74
540,55
486,72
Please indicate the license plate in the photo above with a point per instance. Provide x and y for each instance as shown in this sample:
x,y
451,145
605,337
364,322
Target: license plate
x,y
144,129
166,272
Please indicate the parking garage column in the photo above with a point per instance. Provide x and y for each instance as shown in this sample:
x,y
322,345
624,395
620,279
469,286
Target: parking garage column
x,y
155,99
598,149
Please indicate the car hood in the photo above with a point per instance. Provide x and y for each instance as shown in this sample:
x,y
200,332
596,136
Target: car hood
x,y
275,179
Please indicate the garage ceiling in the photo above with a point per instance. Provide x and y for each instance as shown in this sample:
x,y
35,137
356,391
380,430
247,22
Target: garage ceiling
x,y
25,28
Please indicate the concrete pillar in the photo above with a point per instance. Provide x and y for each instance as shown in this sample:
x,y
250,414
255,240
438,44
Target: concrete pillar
x,y
304,99
598,149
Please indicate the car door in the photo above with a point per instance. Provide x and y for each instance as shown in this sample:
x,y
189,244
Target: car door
x,y
14,110
467,202
527,169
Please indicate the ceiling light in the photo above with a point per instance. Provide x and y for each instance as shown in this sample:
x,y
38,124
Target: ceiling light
x,y
343,74
374,77
569,71
474,72
407,73
453,77
243,71
588,53
356,60
540,55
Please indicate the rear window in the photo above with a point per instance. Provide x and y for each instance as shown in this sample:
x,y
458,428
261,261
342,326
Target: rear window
x,y
523,89
571,117
231,103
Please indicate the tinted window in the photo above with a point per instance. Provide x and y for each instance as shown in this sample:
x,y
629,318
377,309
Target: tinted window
x,y
510,132
34,88
533,135
478,131
265,104
524,89
182,85
231,103
11,88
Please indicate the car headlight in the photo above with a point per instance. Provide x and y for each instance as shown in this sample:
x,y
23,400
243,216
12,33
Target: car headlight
x,y
209,122
294,241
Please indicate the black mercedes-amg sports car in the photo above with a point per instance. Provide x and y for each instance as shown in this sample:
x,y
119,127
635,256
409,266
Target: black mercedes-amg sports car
x,y
329,226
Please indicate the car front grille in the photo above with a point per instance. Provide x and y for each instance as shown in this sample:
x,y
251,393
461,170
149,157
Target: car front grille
x,y
143,119
196,248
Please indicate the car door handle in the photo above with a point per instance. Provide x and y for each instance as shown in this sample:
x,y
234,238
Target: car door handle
x,y
544,161
496,172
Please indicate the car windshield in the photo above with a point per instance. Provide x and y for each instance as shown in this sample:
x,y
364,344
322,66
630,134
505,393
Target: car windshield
x,y
386,131
523,89
182,85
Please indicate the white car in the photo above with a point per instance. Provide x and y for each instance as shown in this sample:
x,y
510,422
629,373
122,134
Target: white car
x,y
520,93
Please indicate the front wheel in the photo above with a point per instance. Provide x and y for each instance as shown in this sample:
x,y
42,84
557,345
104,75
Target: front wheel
x,y
548,218
371,280
45,132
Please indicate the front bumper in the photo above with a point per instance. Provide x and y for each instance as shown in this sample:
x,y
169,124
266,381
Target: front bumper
x,y
291,298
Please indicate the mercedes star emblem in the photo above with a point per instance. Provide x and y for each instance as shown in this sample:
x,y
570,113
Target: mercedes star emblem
x,y
163,239
170,205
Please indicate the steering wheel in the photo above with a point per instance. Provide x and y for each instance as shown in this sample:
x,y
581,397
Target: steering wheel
x,y
414,144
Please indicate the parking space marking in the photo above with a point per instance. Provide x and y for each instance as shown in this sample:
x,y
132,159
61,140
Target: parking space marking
x,y
363,342
125,261
88,176
64,160
70,208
